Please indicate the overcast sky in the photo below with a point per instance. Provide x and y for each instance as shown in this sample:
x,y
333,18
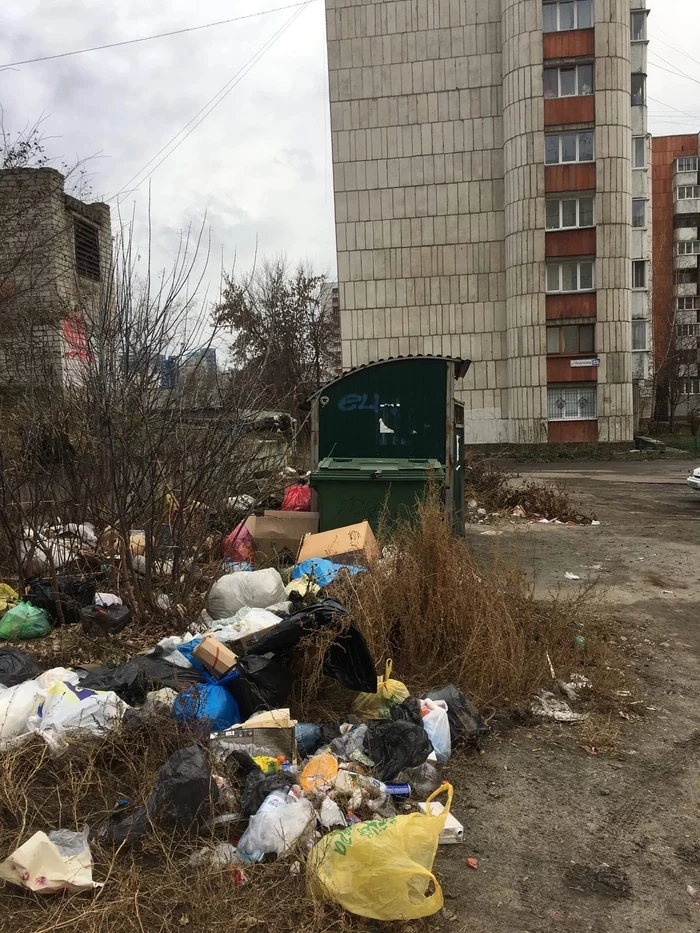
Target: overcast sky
x,y
259,165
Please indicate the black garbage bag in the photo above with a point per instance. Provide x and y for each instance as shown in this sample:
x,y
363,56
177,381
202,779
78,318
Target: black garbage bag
x,y
263,683
466,724
347,659
393,746
73,594
180,799
130,681
408,710
242,764
16,667
258,786
105,620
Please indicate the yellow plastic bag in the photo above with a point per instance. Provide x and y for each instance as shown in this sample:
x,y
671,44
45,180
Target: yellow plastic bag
x,y
8,597
389,693
381,869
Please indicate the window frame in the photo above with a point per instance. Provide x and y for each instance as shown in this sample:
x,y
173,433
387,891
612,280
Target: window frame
x,y
86,249
636,15
574,389
643,140
688,252
693,197
576,3
692,298
692,159
637,263
577,80
569,262
642,322
578,160
691,274
643,224
577,200
639,100
578,351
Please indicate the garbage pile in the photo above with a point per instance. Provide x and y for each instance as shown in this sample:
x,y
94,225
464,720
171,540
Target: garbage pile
x,y
344,796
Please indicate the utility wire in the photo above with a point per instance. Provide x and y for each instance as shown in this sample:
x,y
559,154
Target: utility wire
x,y
674,47
677,72
212,103
160,35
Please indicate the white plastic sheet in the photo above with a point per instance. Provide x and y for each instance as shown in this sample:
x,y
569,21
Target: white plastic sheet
x,y
61,861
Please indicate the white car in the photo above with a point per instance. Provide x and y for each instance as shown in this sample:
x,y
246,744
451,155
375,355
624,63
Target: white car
x,y
694,479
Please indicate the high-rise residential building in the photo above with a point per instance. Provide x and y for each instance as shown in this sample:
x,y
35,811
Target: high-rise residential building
x,y
676,206
491,199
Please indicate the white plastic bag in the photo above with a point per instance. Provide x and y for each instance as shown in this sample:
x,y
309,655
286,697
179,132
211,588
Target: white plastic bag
x,y
61,861
437,724
244,624
255,588
65,708
277,826
16,706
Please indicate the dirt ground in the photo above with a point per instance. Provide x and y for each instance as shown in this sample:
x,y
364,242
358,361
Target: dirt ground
x,y
568,841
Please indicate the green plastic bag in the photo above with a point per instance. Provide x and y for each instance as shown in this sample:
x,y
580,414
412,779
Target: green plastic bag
x,y
24,621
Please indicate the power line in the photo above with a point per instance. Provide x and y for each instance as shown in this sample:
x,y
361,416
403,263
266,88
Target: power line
x,y
160,35
674,47
664,104
212,103
677,72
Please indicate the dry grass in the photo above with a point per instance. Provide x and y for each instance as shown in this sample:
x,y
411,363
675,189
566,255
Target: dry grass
x,y
601,732
492,489
444,618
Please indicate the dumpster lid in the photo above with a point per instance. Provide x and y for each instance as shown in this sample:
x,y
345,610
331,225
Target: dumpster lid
x,y
374,467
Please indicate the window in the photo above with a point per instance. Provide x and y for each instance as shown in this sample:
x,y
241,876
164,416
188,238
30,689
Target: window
x,y
687,192
570,213
571,81
639,335
638,90
639,26
688,304
639,273
567,14
87,249
639,152
687,330
688,248
570,339
571,403
686,277
639,212
568,147
570,276
687,164
692,387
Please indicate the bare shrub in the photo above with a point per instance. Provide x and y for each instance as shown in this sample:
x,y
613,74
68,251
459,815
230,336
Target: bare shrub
x,y
491,487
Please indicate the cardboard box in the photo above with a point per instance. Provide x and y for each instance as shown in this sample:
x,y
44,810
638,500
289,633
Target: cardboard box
x,y
279,531
270,732
217,658
353,544
453,833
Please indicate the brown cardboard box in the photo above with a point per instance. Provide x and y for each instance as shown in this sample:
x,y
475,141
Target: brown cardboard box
x,y
353,544
217,658
279,531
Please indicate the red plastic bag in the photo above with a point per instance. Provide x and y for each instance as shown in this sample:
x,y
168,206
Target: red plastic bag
x,y
239,546
297,498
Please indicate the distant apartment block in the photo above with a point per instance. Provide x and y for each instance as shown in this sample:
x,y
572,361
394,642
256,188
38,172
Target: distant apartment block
x,y
55,260
491,185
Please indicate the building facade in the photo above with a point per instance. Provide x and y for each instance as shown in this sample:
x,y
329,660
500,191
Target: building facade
x,y
483,155
676,205
55,265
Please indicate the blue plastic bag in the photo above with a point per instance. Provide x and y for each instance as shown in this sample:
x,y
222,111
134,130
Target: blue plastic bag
x,y
321,571
208,703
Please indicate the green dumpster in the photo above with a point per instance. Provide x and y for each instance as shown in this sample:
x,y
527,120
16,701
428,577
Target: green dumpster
x,y
356,489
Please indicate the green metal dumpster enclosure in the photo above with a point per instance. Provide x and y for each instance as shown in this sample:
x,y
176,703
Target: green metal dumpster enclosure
x,y
347,488
401,409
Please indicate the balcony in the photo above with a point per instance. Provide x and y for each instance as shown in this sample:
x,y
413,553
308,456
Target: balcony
x,y
685,262
686,290
561,111
686,206
685,234
570,243
570,43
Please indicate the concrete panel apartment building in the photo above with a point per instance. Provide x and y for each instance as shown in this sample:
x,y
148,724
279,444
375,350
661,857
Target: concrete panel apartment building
x,y
491,197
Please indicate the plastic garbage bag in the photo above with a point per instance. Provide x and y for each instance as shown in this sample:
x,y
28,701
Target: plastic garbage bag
x,y
65,707
8,597
73,593
389,693
320,771
181,798
308,738
107,620
108,599
130,681
466,723
331,814
437,725
16,667
423,779
209,703
381,869
16,706
239,545
350,741
61,861
322,572
277,826
24,621
246,623
259,786
394,746
256,589
297,498
410,710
